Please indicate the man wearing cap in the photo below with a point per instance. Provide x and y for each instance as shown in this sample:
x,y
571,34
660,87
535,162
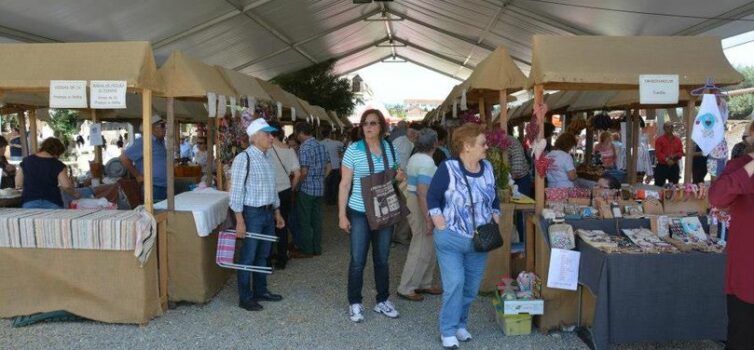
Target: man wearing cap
x,y
133,159
255,202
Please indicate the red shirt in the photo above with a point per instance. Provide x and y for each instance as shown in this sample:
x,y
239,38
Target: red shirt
x,y
668,147
734,189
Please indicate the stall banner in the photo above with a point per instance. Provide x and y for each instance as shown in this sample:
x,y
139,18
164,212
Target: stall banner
x,y
658,89
95,134
68,94
708,130
108,94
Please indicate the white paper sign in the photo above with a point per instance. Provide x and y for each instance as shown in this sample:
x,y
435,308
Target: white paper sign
x,y
221,107
658,89
95,134
212,104
68,94
564,269
108,94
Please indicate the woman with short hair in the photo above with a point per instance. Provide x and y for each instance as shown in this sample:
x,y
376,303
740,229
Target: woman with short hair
x,y
42,190
562,172
419,269
458,182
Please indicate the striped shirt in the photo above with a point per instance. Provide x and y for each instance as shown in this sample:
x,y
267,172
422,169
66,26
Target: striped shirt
x,y
259,189
313,156
419,171
355,159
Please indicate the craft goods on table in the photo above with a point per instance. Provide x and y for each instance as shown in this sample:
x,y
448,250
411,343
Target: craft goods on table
x,y
648,241
608,243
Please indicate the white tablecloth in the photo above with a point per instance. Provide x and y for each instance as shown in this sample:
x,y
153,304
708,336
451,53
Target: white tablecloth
x,y
209,206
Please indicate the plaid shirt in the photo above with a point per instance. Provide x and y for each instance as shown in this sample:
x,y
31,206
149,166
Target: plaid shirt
x,y
259,189
517,158
313,156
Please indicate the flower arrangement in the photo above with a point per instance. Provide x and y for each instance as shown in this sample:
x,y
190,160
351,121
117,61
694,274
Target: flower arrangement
x,y
471,116
499,142
232,133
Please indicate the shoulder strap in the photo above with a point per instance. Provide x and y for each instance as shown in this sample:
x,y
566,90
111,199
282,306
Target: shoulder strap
x,y
281,161
392,150
248,164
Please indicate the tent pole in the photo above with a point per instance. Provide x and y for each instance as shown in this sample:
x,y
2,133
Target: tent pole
x,y
539,181
635,134
504,110
689,121
483,112
589,141
218,162
146,137
33,130
210,149
171,152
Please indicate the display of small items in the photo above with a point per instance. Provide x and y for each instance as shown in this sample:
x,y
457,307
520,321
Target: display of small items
x,y
648,241
608,243
686,234
677,193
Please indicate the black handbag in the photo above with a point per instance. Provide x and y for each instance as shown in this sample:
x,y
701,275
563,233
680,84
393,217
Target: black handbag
x,y
486,237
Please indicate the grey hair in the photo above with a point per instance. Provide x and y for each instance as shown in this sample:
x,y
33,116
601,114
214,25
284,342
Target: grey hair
x,y
426,140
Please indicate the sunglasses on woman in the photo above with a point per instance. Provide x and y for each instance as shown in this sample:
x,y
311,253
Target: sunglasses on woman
x,y
372,123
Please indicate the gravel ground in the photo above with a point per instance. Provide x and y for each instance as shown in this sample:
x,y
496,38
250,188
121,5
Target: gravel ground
x,y
312,316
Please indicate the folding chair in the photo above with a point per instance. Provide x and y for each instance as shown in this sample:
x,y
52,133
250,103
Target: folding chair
x,y
226,249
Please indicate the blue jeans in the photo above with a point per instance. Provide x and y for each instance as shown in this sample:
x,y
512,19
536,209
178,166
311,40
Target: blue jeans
x,y
40,204
254,251
361,236
461,270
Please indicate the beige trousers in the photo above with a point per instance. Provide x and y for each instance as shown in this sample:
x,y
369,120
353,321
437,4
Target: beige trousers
x,y
421,260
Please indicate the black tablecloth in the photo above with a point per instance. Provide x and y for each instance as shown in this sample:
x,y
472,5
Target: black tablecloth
x,y
651,297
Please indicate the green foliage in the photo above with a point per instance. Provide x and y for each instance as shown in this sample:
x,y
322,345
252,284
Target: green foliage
x,y
397,111
63,122
318,85
742,106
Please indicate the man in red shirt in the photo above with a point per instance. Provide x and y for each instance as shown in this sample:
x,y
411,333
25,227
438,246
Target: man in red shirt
x,y
668,150
734,190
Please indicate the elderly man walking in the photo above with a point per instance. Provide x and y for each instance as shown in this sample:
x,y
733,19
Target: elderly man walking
x,y
255,202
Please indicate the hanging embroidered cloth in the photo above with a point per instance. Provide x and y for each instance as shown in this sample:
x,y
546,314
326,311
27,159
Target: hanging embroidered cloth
x,y
708,130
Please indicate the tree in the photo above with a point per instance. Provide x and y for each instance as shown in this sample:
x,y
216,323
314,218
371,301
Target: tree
x,y
397,111
63,122
742,106
318,85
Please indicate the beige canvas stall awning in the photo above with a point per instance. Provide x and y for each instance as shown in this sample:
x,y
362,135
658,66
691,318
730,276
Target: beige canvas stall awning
x,y
495,73
30,67
277,93
591,100
344,120
184,111
185,77
630,99
245,85
615,62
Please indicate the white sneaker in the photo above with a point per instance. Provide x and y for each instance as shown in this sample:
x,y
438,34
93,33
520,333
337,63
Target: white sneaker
x,y
449,342
356,312
463,335
386,308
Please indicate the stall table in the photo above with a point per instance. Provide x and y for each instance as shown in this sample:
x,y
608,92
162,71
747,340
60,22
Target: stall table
x,y
648,297
499,260
192,242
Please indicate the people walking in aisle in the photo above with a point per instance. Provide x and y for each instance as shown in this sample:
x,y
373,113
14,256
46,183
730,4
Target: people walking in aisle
x,y
255,202
332,179
132,159
352,216
419,269
314,165
404,146
734,189
668,150
186,150
449,201
287,176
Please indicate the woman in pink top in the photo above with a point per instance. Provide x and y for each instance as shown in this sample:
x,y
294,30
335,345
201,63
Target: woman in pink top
x,y
606,149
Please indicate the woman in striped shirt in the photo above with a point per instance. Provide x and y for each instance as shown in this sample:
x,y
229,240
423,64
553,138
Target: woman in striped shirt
x,y
352,217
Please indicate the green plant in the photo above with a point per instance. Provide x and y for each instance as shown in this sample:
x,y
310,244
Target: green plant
x,y
742,106
318,85
63,122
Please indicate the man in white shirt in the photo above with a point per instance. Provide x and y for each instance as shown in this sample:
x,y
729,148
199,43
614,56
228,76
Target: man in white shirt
x,y
404,145
334,150
187,151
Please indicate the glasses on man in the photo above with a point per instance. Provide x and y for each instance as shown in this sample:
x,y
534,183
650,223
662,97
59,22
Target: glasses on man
x,y
372,123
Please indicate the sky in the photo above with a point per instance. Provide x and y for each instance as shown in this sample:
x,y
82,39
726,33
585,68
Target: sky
x,y
394,82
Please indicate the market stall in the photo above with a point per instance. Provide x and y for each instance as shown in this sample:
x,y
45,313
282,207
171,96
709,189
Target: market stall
x,y
45,266
195,217
618,68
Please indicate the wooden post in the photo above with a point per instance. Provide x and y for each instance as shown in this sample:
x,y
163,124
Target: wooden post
x,y
33,130
636,134
97,149
218,162
504,110
589,142
171,142
22,129
629,143
210,149
146,137
689,121
539,181
483,112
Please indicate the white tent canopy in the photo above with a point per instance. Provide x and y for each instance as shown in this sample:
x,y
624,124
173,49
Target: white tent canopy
x,y
265,38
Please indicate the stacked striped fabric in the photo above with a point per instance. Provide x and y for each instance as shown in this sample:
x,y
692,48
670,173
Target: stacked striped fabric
x,y
78,229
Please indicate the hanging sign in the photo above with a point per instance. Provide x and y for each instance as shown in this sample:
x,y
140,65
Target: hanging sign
x,y
658,89
708,129
221,107
68,94
95,134
108,94
233,107
212,104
